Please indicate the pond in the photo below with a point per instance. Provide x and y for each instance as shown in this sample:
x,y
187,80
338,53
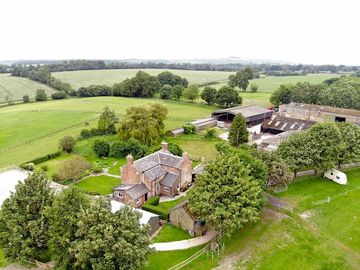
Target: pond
x,y
8,181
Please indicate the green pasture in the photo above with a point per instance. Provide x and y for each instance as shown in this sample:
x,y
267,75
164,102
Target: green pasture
x,y
111,76
32,130
16,87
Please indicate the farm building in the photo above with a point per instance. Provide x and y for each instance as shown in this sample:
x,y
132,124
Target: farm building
x,y
278,124
319,113
254,115
273,142
180,216
146,217
200,124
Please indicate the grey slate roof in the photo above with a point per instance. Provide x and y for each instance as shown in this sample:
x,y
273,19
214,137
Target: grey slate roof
x,y
157,158
246,111
155,172
137,191
287,124
169,179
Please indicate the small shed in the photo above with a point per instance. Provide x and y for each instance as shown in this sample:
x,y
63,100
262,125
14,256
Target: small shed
x,y
181,216
146,217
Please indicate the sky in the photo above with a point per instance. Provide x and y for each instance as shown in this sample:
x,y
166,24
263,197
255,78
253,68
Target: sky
x,y
304,31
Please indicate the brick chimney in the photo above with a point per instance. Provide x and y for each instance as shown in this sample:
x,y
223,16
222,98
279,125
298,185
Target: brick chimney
x,y
129,175
129,159
164,146
186,170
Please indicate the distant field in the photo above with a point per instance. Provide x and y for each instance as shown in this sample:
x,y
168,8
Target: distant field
x,y
15,87
32,130
111,76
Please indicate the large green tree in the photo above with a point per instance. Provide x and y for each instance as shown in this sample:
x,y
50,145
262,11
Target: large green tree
x,y
283,95
24,227
350,135
144,123
63,218
238,133
327,141
110,241
209,94
191,92
107,120
142,85
241,78
226,196
227,97
166,77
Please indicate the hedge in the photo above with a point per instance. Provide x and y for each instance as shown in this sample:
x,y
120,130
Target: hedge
x,y
42,159
151,206
153,201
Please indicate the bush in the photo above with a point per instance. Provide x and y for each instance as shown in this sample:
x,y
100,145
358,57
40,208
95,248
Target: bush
x,y
210,134
44,158
26,99
154,200
40,95
101,148
189,129
58,95
254,87
67,144
96,168
44,167
72,169
166,91
175,149
131,146
85,133
27,166
95,132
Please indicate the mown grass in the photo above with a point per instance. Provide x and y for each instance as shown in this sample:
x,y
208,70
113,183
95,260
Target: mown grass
x,y
116,168
16,87
21,123
102,184
171,233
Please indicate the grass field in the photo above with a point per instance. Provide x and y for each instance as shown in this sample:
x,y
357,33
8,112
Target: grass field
x,y
32,130
16,87
100,184
171,233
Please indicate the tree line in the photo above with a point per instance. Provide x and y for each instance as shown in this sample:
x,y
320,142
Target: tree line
x,y
342,92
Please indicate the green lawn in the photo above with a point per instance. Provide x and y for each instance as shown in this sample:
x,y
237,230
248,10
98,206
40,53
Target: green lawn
x,y
55,164
102,184
116,168
32,130
16,87
171,233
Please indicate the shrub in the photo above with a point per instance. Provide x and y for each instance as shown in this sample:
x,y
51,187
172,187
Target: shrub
x,y
44,167
95,132
166,91
26,99
96,168
254,87
154,200
40,95
72,169
101,148
131,146
210,134
189,129
67,144
44,158
27,166
58,95
175,149
85,133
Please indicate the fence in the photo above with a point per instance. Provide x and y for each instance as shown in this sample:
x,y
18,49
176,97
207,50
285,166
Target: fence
x,y
190,259
329,199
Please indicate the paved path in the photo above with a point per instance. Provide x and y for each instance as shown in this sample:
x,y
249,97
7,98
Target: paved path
x,y
185,244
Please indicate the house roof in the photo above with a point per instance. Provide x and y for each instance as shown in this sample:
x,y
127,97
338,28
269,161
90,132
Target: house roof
x,y
277,139
158,158
246,111
170,179
145,215
287,123
134,191
155,172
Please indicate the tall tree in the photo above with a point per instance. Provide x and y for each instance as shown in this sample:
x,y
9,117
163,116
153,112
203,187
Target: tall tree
x,y
145,124
350,135
238,133
328,144
191,92
108,240
241,78
166,91
227,97
225,196
283,95
169,78
24,234
63,218
177,91
107,120
209,94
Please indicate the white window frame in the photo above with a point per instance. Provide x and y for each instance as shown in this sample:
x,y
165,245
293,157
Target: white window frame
x,y
120,195
166,189
137,200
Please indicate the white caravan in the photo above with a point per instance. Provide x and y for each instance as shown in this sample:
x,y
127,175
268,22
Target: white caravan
x,y
336,176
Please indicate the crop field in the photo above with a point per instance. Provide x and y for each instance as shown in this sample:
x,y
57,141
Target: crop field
x,y
15,88
32,130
